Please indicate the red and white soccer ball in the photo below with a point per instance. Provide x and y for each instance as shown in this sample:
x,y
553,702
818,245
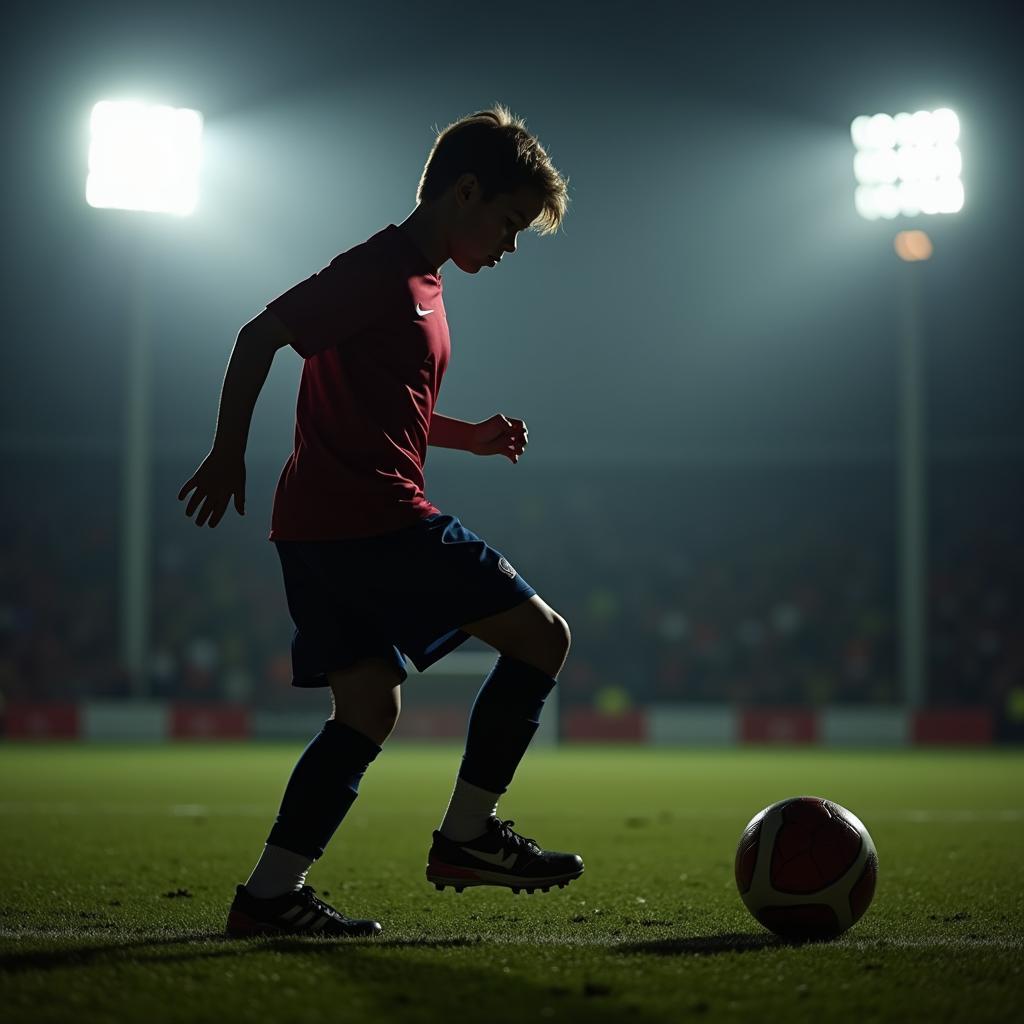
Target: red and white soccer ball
x,y
806,868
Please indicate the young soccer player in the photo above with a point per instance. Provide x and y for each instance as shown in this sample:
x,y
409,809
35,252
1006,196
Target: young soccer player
x,y
374,573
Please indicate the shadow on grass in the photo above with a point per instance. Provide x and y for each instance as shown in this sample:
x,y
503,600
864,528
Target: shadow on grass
x,y
206,945
703,945
447,975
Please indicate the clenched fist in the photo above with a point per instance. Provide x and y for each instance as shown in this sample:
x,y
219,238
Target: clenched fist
x,y
500,436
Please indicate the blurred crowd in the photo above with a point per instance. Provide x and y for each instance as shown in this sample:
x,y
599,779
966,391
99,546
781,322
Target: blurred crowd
x,y
753,585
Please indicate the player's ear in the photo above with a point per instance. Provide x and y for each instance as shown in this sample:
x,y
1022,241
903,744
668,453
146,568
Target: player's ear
x,y
466,187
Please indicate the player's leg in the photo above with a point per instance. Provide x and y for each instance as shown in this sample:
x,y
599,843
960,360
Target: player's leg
x,y
532,641
323,786
533,632
325,780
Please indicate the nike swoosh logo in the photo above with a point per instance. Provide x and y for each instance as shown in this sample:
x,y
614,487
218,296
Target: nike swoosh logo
x,y
493,858
420,311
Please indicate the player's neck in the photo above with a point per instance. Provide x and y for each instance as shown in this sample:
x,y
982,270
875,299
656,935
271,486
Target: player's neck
x,y
425,230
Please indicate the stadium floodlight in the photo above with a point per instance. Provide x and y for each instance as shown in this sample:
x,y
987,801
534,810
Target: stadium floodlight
x,y
908,164
144,157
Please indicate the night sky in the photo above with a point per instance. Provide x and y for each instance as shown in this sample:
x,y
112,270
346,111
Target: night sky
x,y
713,289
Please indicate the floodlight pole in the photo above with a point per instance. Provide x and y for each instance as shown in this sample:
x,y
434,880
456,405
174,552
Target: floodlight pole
x,y
135,502
927,164
142,158
912,471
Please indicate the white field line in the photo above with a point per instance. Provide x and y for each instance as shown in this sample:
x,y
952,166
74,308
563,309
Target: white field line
x,y
915,816
118,938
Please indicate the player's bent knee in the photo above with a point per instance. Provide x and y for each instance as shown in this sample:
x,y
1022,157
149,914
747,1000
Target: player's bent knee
x,y
563,635
375,721
367,697
532,632
548,647
552,633
545,644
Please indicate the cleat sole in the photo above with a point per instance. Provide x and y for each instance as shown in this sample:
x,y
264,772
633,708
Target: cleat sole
x,y
241,926
443,875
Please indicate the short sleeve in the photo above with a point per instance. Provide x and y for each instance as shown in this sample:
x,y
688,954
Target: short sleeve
x,y
333,305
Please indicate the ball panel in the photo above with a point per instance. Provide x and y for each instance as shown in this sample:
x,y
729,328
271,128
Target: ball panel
x,y
863,891
746,855
805,921
814,847
835,850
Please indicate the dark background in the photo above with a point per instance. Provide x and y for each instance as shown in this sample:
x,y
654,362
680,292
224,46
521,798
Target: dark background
x,y
706,354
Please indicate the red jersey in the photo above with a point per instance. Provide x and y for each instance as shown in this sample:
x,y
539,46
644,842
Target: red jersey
x,y
371,328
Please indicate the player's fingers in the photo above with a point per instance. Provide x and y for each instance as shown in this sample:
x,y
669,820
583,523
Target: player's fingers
x,y
204,513
240,502
212,510
185,488
194,502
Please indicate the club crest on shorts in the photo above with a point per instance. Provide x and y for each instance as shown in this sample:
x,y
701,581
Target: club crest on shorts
x,y
506,568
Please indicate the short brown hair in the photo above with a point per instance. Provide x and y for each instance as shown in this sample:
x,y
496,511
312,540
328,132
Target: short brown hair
x,y
496,147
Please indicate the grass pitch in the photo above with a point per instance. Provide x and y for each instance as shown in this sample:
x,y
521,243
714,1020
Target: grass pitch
x,y
119,864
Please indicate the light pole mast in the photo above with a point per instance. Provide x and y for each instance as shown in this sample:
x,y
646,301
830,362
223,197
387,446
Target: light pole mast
x,y
141,157
135,531
908,165
913,496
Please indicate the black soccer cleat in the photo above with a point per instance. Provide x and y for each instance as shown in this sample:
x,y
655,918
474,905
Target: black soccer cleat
x,y
294,913
499,857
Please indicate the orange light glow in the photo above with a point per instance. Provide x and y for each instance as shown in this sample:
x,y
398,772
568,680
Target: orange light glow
x,y
913,246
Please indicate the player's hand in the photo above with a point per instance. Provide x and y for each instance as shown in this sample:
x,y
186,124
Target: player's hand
x,y
218,478
500,435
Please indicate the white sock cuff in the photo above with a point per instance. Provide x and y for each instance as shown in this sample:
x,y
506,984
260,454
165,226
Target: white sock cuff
x,y
278,871
468,811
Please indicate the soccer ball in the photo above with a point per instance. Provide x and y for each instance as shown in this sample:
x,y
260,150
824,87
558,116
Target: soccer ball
x,y
806,868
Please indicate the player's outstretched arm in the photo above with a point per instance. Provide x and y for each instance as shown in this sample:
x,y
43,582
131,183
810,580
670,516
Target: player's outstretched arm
x,y
221,475
498,435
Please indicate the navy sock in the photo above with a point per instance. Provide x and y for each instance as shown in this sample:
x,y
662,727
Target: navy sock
x,y
323,786
505,716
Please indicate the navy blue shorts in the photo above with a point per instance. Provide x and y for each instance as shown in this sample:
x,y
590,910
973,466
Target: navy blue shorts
x,y
397,595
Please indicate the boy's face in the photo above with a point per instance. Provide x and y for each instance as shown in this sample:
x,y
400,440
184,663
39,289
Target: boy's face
x,y
484,232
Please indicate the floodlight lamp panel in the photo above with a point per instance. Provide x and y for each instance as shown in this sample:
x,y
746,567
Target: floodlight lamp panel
x,y
907,164
860,131
144,157
881,132
864,200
